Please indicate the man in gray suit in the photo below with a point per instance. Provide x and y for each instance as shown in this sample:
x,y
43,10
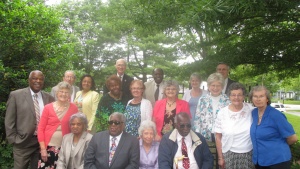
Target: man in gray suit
x,y
69,77
224,68
113,148
155,88
21,120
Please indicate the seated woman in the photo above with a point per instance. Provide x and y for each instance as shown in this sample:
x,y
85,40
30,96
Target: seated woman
x,y
74,144
113,101
232,131
87,99
148,147
138,109
54,124
165,110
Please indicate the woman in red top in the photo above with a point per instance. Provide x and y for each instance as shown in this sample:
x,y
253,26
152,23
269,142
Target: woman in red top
x,y
166,109
54,124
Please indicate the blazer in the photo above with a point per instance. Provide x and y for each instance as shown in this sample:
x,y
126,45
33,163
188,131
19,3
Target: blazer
x,y
20,120
78,153
127,154
150,90
126,81
168,148
229,82
49,122
89,105
160,108
55,88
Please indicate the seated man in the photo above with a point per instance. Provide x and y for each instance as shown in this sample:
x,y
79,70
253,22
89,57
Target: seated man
x,y
183,149
113,148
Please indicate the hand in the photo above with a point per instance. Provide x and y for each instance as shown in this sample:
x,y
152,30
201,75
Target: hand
x,y
221,163
157,138
44,155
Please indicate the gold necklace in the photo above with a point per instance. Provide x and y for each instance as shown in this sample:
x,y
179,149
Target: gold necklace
x,y
170,104
58,108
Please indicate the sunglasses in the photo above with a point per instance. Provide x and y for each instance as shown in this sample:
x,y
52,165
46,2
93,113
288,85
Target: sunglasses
x,y
185,125
114,122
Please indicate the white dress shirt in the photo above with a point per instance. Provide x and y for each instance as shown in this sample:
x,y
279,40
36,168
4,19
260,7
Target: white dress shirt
x,y
188,142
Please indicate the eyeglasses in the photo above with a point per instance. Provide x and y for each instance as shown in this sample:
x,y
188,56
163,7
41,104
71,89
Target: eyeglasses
x,y
236,95
115,122
136,88
69,77
62,92
185,125
258,97
171,89
215,86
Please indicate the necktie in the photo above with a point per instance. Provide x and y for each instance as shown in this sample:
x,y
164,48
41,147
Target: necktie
x,y
185,161
156,92
112,149
37,111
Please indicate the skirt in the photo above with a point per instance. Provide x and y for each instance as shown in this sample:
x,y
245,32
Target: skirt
x,y
52,152
238,160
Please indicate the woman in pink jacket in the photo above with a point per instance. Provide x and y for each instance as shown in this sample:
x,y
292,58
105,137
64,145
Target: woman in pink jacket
x,y
54,124
166,109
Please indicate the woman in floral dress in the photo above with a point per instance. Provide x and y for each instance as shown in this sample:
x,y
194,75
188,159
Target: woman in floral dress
x,y
138,109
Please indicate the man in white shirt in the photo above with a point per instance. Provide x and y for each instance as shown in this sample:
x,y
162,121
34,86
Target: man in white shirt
x,y
69,77
155,88
224,68
184,149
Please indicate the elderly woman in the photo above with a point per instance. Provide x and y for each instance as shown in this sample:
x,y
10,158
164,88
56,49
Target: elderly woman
x,y
192,96
166,109
270,132
87,99
209,106
148,147
232,131
74,144
54,124
113,101
138,109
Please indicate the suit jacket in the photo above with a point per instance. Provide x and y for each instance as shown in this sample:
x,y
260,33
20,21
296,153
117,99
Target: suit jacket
x,y
127,154
78,153
150,90
20,120
168,148
126,80
229,82
160,108
55,88
89,106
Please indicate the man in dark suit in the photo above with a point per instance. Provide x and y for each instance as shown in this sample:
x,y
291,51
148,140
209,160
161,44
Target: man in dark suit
x,y
113,148
69,77
224,68
21,120
126,80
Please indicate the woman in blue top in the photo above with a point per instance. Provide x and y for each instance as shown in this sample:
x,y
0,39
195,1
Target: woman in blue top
x,y
270,132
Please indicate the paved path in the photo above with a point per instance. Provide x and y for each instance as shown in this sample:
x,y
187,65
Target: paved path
x,y
293,109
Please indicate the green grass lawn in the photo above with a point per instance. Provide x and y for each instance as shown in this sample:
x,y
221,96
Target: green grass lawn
x,y
294,120
296,102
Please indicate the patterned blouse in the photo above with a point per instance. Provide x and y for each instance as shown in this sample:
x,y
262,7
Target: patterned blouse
x,y
106,107
169,119
205,117
133,118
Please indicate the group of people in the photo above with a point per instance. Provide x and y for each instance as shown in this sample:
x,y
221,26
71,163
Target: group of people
x,y
146,125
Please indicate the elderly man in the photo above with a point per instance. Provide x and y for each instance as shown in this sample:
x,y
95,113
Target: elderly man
x,y
113,148
183,149
69,77
224,68
154,89
125,79
23,112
